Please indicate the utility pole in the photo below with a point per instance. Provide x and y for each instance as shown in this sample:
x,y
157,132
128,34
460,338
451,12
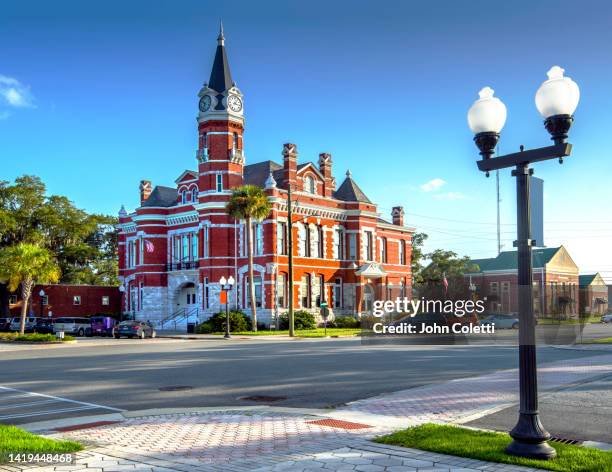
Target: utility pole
x,y
499,247
290,255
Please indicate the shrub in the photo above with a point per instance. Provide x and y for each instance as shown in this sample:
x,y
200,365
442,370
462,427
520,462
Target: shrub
x,y
346,322
301,320
32,338
216,323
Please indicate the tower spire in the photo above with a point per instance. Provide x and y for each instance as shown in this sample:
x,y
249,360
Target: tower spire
x,y
220,75
221,37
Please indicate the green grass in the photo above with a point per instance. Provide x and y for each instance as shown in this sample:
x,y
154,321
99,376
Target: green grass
x,y
490,446
302,333
584,320
17,441
32,338
599,341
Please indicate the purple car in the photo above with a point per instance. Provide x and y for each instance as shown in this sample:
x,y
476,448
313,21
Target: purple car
x,y
102,325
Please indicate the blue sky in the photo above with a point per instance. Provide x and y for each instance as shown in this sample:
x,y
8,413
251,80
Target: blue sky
x,y
96,96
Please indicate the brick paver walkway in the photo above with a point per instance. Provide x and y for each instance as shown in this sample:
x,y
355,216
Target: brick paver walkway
x,y
269,440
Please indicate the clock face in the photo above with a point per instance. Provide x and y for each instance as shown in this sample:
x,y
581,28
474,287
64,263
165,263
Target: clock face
x,y
234,103
205,102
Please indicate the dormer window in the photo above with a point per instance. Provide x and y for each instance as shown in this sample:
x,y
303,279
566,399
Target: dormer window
x,y
309,185
194,194
184,196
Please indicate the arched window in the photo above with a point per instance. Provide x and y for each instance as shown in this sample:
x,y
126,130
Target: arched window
x,y
309,185
204,140
194,194
183,196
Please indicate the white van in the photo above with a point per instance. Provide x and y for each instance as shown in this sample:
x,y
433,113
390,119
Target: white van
x,y
73,325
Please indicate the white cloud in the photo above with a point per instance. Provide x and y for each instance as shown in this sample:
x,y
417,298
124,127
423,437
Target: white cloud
x,y
14,94
450,196
432,185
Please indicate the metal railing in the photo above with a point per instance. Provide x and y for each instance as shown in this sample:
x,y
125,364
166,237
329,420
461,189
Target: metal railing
x,y
186,265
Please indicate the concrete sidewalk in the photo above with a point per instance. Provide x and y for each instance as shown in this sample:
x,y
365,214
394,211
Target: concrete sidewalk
x,y
268,438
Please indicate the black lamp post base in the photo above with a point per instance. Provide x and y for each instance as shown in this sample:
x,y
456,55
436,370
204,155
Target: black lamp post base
x,y
227,336
530,439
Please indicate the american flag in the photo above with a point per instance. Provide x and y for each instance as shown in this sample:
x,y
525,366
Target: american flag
x,y
149,247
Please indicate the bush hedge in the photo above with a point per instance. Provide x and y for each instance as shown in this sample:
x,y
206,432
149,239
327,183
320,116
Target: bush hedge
x,y
32,338
301,320
346,322
216,323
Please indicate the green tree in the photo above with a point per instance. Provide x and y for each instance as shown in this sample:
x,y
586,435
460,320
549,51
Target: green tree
x,y
26,264
446,263
85,245
249,203
418,239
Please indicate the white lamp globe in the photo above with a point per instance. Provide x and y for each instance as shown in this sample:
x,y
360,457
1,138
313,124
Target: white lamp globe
x,y
231,280
487,114
222,280
558,95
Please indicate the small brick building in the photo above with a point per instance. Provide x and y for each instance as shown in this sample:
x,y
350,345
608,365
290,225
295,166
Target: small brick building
x,y
178,243
593,294
555,282
69,300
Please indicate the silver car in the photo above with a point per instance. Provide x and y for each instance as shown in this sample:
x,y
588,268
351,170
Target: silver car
x,y
501,321
73,325
30,323
607,318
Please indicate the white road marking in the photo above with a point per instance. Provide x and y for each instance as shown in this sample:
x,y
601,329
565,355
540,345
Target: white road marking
x,y
17,393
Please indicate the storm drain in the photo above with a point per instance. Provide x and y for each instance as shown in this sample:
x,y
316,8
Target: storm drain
x,y
263,398
175,388
565,440
339,424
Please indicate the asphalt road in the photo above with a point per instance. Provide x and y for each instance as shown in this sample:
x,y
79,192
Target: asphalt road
x,y
128,374
583,412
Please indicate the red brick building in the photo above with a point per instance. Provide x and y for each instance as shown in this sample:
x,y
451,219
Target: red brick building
x,y
69,300
593,294
176,245
555,282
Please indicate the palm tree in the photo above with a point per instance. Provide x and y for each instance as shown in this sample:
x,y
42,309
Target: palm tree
x,y
26,264
249,202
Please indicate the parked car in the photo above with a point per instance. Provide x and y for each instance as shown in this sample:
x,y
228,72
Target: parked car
x,y
131,329
501,321
607,318
30,323
102,325
5,324
43,326
73,325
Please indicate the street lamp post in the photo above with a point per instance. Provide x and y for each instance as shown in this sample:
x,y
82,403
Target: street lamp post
x,y
226,286
41,294
556,100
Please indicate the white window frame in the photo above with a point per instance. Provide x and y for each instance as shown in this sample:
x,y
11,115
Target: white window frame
x,y
219,182
76,300
105,300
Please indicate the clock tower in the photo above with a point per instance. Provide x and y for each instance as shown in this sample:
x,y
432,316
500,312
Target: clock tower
x,y
220,127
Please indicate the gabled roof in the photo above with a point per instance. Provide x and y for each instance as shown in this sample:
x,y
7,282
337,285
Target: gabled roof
x,y
349,191
585,280
192,174
301,167
508,260
161,197
256,174
220,75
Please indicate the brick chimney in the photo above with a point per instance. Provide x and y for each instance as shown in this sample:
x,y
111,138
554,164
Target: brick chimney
x,y
325,166
397,213
146,187
290,154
